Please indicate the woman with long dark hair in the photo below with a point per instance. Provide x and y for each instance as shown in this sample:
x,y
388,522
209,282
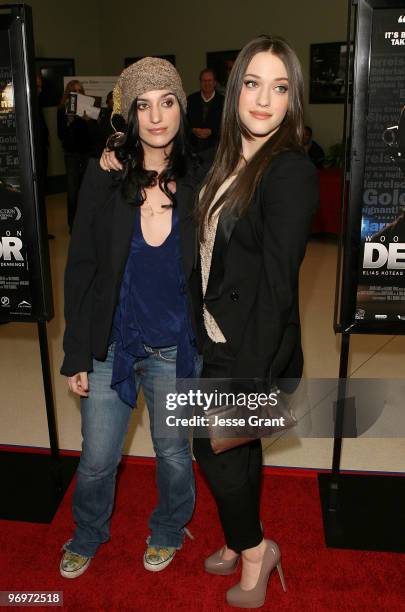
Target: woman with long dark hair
x,y
129,323
254,215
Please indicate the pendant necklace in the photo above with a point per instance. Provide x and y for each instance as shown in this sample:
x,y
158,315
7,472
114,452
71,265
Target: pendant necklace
x,y
166,208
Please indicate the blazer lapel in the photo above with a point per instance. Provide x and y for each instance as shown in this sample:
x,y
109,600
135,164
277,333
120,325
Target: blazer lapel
x,y
185,198
226,225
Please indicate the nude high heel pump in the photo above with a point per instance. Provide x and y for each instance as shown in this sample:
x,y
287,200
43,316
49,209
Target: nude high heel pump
x,y
255,598
216,565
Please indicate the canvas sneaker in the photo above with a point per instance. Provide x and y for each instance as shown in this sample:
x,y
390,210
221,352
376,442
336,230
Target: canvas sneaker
x,y
73,565
156,558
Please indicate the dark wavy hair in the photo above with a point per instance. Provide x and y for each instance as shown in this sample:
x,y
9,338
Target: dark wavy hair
x,y
289,135
129,151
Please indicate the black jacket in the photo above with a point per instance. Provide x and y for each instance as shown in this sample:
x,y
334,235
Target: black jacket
x,y
196,119
252,289
97,256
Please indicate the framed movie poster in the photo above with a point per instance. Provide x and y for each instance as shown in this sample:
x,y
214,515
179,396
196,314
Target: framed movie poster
x,y
372,254
25,287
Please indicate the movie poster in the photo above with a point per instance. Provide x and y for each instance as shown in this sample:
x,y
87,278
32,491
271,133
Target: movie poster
x,y
15,293
381,288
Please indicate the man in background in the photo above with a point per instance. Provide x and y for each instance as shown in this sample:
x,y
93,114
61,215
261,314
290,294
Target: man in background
x,y
204,111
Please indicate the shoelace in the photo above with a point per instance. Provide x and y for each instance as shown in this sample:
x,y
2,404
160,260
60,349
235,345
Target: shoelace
x,y
188,533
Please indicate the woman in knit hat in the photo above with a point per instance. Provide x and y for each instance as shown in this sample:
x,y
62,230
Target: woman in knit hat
x,y
129,322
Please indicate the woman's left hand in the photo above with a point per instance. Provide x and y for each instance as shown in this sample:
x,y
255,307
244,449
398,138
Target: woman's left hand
x,y
108,161
79,384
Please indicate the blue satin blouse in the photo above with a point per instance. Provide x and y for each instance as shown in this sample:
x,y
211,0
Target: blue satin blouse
x,y
152,309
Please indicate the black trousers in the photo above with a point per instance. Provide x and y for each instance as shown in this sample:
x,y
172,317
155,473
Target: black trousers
x,y
235,475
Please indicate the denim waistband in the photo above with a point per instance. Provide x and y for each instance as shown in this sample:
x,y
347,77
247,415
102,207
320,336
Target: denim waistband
x,y
157,349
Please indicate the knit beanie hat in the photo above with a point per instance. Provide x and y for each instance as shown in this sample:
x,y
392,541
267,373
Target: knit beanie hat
x,y
145,75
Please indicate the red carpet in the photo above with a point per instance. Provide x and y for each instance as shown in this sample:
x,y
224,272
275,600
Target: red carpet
x,y
318,579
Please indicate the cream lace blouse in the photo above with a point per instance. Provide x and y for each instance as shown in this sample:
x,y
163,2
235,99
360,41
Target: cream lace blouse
x,y
206,248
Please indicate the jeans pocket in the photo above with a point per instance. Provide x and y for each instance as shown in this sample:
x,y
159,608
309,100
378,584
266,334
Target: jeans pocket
x,y
168,354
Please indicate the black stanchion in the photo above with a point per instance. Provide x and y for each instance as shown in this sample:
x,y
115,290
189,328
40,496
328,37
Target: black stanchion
x,y
339,422
47,380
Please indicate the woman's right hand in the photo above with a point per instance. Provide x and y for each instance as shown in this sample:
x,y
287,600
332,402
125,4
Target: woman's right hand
x,y
79,384
108,161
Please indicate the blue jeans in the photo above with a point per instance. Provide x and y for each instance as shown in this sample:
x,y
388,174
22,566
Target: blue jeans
x,y
105,421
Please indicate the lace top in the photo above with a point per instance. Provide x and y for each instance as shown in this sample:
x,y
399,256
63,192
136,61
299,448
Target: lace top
x,y
206,248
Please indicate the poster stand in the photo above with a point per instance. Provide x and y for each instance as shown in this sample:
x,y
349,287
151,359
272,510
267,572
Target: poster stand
x,y
32,484
359,511
364,512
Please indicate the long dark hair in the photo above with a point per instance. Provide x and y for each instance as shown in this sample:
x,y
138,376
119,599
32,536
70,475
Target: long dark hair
x,y
129,151
288,137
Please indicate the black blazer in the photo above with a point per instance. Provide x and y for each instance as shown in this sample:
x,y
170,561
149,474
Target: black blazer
x,y
97,256
252,289
196,119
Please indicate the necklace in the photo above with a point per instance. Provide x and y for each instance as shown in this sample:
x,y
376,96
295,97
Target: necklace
x,y
154,212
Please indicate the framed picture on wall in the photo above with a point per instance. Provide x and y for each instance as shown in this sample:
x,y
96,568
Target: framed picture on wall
x,y
52,71
221,63
328,73
131,60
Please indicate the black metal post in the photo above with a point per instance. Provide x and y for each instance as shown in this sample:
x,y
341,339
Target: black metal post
x,y
339,421
340,409
56,466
